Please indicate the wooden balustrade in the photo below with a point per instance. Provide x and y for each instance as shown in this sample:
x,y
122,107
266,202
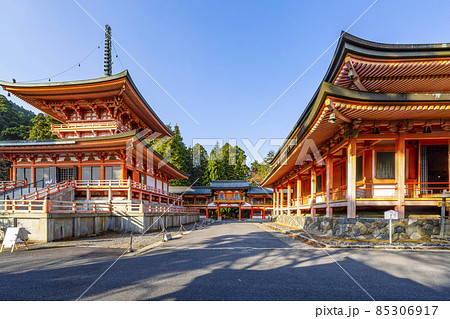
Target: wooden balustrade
x,y
98,184
425,189
48,206
8,185
338,193
377,190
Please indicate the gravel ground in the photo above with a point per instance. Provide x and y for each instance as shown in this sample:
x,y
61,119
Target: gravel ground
x,y
115,240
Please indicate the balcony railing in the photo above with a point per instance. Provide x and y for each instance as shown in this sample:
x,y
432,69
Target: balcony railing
x,y
89,126
378,190
425,189
338,193
233,199
320,197
61,207
123,184
8,185
96,184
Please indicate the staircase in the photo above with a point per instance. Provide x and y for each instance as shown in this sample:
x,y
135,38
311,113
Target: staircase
x,y
13,190
42,193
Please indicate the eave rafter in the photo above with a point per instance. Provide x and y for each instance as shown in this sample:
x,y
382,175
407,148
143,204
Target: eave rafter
x,y
354,77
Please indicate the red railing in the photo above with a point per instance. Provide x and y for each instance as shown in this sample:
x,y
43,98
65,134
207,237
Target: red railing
x,y
378,190
22,206
90,125
154,190
320,197
338,193
52,189
47,206
49,190
425,190
8,185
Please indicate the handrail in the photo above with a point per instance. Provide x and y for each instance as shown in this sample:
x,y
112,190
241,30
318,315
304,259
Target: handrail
x,y
89,125
8,185
240,199
52,189
25,185
49,190
377,190
56,207
418,189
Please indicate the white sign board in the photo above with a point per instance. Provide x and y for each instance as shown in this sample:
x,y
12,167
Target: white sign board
x,y
391,214
12,238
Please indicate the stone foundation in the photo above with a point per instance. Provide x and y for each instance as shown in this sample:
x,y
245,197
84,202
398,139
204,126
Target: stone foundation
x,y
365,228
48,227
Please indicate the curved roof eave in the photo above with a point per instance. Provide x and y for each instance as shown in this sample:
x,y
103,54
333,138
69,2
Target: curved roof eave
x,y
350,43
326,89
103,79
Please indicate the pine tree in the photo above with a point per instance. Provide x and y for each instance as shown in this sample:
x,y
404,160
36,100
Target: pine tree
x,y
175,152
41,129
198,163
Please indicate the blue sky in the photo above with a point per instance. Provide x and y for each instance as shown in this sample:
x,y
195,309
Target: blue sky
x,y
224,61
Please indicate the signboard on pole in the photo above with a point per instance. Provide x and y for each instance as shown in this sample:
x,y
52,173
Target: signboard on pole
x,y
13,236
391,214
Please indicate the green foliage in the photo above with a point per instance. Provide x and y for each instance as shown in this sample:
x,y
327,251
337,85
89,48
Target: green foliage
x,y
199,162
14,125
14,120
175,152
226,163
4,170
41,129
260,170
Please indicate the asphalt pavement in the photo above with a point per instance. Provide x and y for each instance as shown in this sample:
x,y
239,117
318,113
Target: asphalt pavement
x,y
225,261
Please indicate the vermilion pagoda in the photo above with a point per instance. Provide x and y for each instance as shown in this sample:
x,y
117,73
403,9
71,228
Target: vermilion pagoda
x,y
378,131
102,148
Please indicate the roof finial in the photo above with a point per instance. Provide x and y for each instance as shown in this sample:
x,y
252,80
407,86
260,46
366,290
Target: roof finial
x,y
107,66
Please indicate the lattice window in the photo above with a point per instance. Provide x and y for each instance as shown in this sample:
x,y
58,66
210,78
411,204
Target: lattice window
x,y
65,173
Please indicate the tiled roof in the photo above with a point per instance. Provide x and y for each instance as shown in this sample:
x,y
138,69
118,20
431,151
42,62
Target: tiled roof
x,y
229,184
193,190
254,190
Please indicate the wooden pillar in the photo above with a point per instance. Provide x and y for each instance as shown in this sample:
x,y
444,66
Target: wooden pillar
x,y
289,197
400,169
351,178
33,171
218,212
313,190
251,213
282,199
239,212
123,170
13,176
207,213
299,194
277,200
264,213
102,168
329,169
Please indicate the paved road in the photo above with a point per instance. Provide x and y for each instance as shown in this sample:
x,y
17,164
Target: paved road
x,y
228,261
